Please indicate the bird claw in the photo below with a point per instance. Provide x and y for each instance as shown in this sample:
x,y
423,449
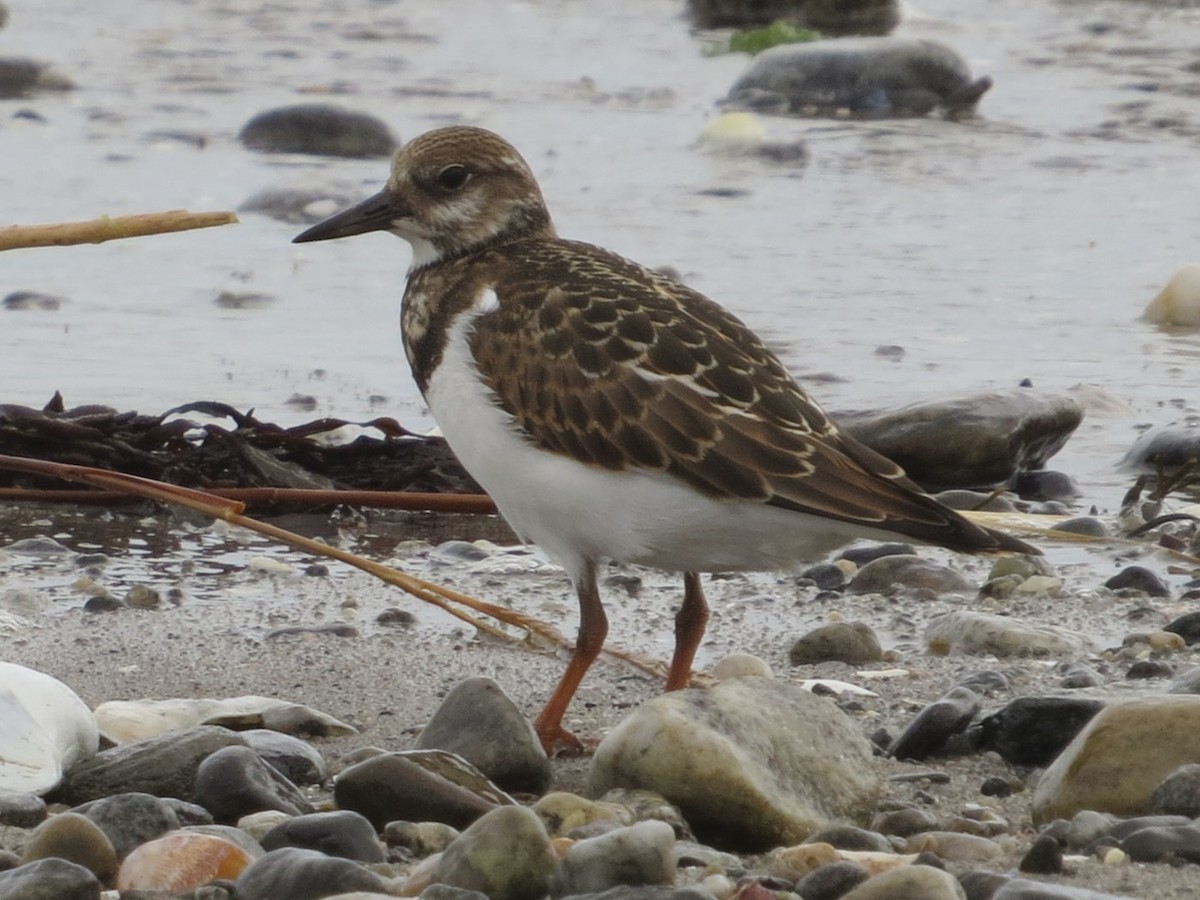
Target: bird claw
x,y
557,741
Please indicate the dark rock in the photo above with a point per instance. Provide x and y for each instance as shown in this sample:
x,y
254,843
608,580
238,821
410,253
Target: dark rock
x,y
982,885
305,875
997,786
849,642
1165,448
297,760
936,724
1150,668
851,837
164,766
976,441
23,301
396,786
1125,827
905,822
49,879
339,833
318,129
986,682
21,810
481,724
865,553
188,813
1032,731
1044,857
130,819
1079,675
21,77
961,498
826,576
830,17
1163,842
1179,793
234,782
1187,683
1138,578
1045,484
832,881
1187,627
1088,525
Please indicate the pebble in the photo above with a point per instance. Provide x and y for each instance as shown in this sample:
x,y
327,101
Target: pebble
x,y
638,854
396,786
1085,828
1163,842
1044,857
936,724
25,301
506,854
337,833
130,818
21,810
1179,302
826,576
75,838
832,881
751,763
305,875
908,883
1139,578
181,861
892,574
235,781
851,837
420,839
741,665
1179,793
298,761
1080,675
953,846
854,643
1028,889
318,129
1146,669
862,554
49,879
563,813
905,822
1187,626
965,631
479,722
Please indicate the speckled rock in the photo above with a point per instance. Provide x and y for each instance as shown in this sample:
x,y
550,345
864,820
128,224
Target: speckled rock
x,y
481,724
506,855
1106,767
965,631
130,819
1179,793
751,762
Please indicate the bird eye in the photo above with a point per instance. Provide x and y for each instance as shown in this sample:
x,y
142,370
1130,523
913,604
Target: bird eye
x,y
452,178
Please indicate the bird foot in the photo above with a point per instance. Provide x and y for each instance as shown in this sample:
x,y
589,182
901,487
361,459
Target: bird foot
x,y
557,741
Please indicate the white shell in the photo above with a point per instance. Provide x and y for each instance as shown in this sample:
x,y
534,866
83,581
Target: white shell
x,y
44,729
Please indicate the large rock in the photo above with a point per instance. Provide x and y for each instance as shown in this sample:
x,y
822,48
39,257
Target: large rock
x,y
506,855
830,17
975,441
1033,731
1115,763
752,763
45,729
481,724
866,76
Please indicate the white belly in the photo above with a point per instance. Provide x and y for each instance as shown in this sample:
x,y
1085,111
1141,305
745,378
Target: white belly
x,y
579,512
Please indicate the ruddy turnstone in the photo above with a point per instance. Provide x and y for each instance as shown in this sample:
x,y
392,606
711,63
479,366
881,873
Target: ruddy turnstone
x,y
611,412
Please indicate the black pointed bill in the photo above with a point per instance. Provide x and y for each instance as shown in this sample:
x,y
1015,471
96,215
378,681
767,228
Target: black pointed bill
x,y
376,213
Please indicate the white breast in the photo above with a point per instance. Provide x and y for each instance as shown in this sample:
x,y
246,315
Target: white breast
x,y
579,512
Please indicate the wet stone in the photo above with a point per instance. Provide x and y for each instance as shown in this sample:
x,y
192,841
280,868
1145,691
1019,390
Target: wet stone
x,y
1032,731
1179,793
130,819
235,781
21,810
1145,669
826,576
339,833
1138,578
305,875
1048,485
49,879
318,129
1079,675
849,642
936,724
479,722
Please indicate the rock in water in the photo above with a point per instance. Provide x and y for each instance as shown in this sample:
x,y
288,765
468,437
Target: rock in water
x,y
44,729
319,129
866,76
752,763
1179,302
830,17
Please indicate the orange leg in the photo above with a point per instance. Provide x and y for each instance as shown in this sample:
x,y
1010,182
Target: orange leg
x,y
689,629
593,628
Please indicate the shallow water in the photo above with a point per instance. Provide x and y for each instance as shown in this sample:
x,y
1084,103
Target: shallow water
x,y
1021,245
